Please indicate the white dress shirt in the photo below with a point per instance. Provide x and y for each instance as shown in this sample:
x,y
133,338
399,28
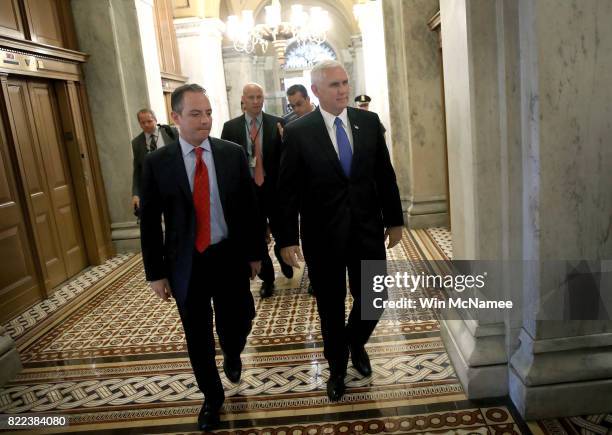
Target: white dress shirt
x,y
218,226
331,127
159,139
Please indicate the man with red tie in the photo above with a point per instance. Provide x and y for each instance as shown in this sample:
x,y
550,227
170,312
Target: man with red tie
x,y
260,137
211,244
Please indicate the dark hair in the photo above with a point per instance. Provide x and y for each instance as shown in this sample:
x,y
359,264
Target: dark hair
x,y
176,100
294,89
145,110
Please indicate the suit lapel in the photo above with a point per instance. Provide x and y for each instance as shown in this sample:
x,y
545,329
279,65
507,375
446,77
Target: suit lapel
x,y
221,170
327,145
179,169
357,145
243,134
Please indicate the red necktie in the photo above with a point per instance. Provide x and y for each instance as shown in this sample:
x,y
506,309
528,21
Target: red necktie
x,y
258,174
201,202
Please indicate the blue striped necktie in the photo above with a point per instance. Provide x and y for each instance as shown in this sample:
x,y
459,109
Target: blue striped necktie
x,y
345,153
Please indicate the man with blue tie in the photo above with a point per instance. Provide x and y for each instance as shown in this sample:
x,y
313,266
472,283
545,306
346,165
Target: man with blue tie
x,y
336,175
211,244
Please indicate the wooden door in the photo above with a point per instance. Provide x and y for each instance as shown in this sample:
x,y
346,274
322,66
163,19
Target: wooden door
x,y
35,186
57,170
45,176
19,280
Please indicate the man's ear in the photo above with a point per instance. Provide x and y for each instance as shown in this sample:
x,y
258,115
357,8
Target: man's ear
x,y
314,90
174,116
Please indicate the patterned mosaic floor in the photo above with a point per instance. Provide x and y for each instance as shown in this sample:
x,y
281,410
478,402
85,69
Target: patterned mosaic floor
x,y
112,357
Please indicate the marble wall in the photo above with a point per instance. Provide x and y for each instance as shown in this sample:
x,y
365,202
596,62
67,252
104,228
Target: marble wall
x,y
115,77
528,122
415,109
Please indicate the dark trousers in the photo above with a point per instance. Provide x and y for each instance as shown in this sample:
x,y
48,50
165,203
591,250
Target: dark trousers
x,y
216,276
265,199
328,279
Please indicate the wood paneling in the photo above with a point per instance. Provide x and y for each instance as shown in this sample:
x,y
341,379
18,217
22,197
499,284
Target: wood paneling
x,y
45,22
166,38
19,279
10,19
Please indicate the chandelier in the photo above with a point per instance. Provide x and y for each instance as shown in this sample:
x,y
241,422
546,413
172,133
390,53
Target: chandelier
x,y
302,27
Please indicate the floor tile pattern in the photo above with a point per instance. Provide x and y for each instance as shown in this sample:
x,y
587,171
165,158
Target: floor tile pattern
x,y
113,357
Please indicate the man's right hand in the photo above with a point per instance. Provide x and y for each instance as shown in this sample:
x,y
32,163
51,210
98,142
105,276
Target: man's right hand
x,y
161,288
292,255
135,201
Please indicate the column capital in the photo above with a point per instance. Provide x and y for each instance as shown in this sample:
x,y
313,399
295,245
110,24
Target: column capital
x,y
357,41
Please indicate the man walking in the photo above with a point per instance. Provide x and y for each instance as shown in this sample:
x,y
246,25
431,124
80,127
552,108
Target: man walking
x,y
211,245
336,174
258,134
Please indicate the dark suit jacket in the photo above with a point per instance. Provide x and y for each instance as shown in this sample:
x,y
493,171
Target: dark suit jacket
x,y
337,214
234,130
165,191
139,151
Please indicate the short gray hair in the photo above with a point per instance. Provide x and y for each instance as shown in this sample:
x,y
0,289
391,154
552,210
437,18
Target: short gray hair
x,y
318,71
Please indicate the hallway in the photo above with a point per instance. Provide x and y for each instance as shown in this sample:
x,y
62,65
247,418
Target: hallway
x,y
107,353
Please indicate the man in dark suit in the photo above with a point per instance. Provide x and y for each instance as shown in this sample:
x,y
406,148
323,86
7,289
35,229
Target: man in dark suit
x,y
336,174
153,136
203,189
258,134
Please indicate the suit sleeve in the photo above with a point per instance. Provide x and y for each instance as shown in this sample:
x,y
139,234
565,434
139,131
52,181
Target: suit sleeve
x,y
136,170
289,191
151,234
386,183
225,133
255,234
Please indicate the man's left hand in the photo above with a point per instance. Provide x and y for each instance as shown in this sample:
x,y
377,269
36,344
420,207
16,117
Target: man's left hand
x,y
394,234
255,268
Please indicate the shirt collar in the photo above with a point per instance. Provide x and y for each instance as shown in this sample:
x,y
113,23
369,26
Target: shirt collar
x,y
155,133
186,147
330,119
259,118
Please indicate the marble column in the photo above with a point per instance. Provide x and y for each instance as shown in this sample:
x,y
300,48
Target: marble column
x,y
370,20
528,110
238,69
199,42
118,85
564,367
416,112
357,78
145,10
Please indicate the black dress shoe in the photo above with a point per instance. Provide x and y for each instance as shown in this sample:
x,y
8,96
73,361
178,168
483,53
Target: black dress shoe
x,y
232,366
208,418
267,289
335,387
361,360
286,269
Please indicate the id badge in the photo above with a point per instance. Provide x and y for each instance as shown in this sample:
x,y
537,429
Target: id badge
x,y
252,161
